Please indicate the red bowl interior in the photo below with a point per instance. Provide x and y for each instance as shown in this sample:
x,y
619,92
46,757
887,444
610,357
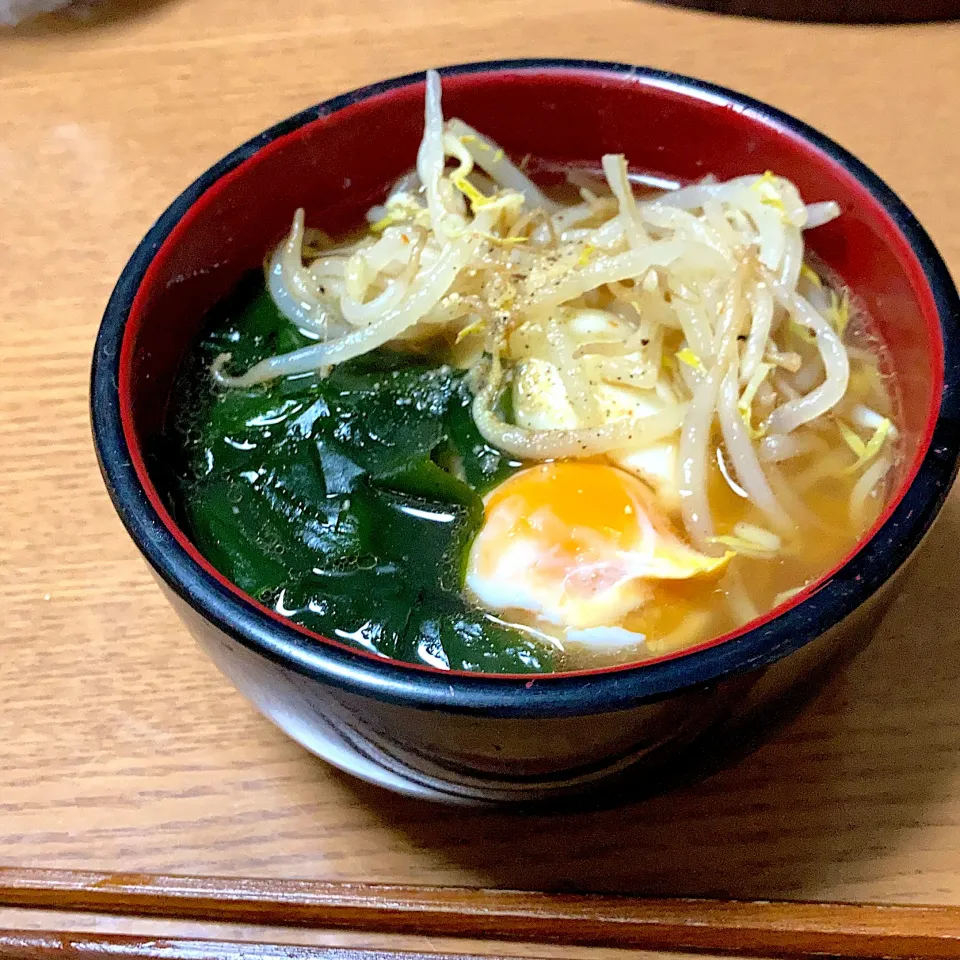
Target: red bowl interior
x,y
340,163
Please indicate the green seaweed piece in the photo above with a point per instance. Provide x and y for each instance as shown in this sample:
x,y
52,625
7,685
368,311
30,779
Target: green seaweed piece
x,y
346,502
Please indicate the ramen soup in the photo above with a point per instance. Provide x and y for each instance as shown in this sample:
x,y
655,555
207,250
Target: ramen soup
x,y
506,431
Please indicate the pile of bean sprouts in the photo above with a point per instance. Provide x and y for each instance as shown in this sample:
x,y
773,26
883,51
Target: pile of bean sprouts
x,y
722,319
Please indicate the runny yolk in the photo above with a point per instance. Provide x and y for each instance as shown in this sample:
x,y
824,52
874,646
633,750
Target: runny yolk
x,y
567,502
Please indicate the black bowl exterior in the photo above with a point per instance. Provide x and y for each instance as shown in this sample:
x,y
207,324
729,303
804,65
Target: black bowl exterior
x,y
477,757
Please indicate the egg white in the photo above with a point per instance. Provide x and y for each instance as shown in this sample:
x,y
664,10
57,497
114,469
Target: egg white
x,y
540,402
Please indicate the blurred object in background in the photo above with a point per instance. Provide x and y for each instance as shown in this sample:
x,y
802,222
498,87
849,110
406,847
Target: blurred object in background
x,y
13,12
832,11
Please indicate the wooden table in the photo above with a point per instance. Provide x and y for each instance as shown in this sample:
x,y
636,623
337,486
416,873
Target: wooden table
x,y
120,745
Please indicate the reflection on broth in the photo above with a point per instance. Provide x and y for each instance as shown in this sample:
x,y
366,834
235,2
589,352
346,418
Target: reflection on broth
x,y
510,430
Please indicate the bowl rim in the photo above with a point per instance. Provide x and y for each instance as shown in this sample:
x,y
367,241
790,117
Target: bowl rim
x,y
875,560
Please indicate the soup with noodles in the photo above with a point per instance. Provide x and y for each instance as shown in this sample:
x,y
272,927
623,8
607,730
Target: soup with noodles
x,y
510,430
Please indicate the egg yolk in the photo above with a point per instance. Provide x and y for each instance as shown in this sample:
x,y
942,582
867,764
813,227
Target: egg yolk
x,y
575,501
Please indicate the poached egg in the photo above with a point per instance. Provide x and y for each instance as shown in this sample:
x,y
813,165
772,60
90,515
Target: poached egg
x,y
577,545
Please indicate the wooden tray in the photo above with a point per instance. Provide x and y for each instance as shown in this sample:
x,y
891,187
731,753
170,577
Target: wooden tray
x,y
121,748
761,928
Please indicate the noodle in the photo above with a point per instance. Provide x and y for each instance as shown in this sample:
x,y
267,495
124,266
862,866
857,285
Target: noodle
x,y
824,398
431,286
865,488
615,167
550,444
761,303
694,439
743,457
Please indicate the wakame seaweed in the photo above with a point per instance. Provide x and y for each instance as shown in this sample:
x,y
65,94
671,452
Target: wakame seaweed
x,y
347,503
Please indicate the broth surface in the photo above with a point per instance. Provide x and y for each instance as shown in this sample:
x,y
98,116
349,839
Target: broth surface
x,y
227,483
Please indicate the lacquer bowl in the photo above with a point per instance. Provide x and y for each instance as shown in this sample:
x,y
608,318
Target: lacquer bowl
x,y
491,739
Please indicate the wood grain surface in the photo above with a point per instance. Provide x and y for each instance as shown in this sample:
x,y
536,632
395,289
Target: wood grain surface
x,y
70,946
67,945
744,928
121,747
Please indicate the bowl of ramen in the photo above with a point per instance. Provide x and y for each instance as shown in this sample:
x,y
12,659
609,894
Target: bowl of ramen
x,y
505,430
